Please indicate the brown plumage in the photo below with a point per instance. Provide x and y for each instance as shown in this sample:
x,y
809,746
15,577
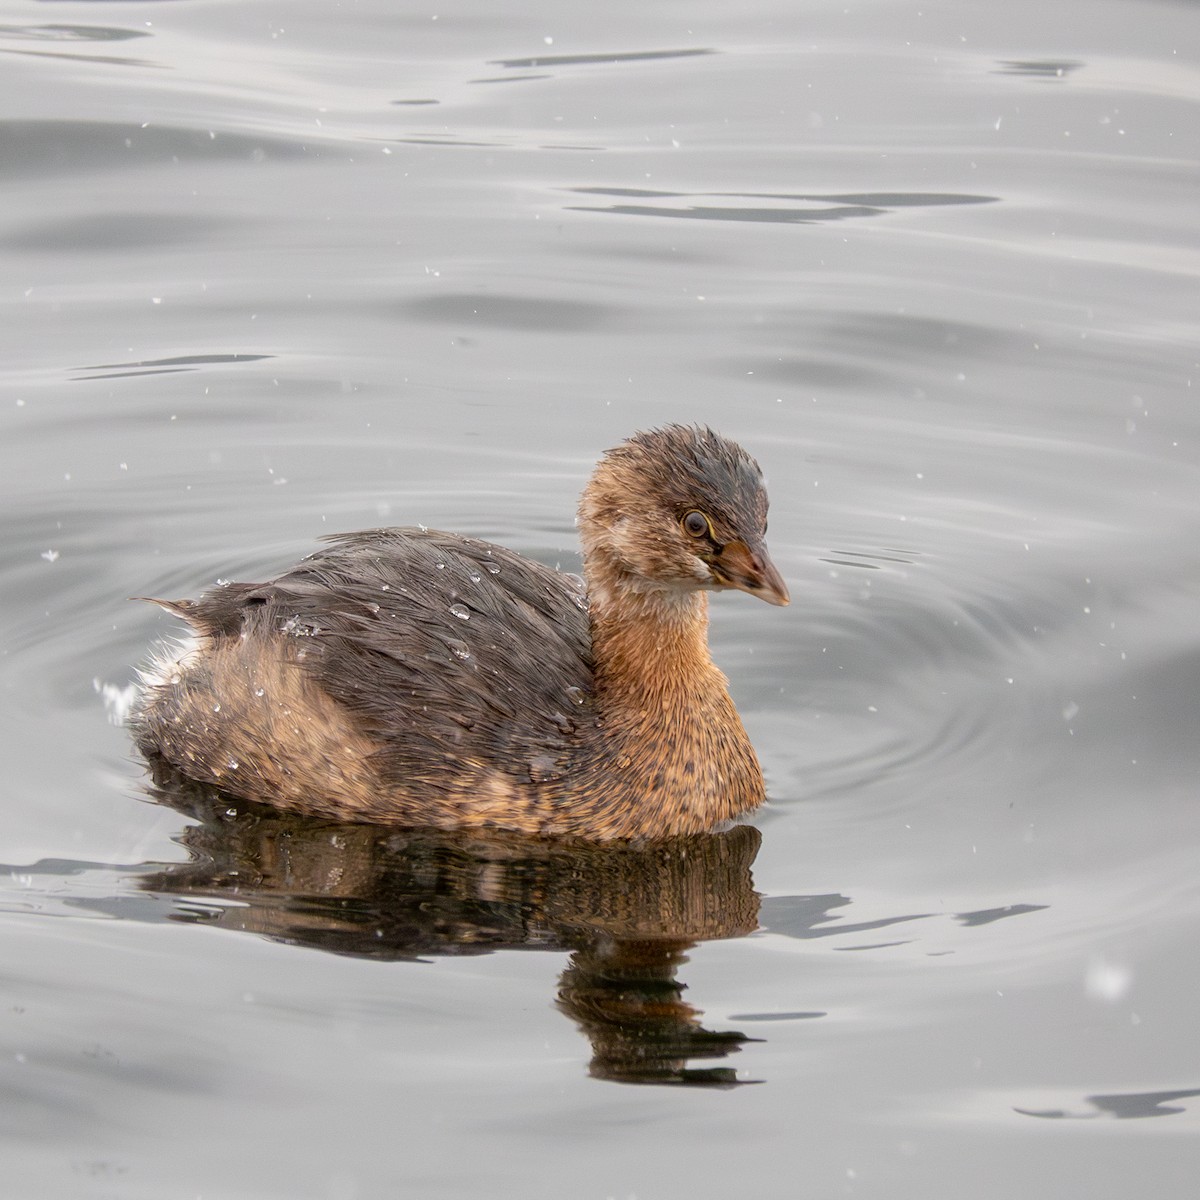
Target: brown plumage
x,y
412,677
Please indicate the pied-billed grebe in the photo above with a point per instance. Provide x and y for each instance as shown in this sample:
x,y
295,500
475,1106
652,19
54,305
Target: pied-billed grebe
x,y
416,678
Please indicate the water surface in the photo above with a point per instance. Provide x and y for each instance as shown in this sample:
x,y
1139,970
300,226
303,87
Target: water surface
x,y
285,270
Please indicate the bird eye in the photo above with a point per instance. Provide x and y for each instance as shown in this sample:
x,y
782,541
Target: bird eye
x,y
696,523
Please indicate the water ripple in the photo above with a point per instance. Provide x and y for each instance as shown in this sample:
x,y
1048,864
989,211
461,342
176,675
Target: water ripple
x,y
157,366
573,60
79,147
780,207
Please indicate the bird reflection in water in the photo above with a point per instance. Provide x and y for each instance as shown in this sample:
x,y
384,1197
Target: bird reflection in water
x,y
628,914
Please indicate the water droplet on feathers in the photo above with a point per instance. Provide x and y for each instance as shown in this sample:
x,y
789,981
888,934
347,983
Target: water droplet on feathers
x,y
461,611
459,649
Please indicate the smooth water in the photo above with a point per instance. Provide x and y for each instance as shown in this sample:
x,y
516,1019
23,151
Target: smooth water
x,y
278,270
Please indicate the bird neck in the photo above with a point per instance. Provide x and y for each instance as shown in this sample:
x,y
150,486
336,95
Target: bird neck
x,y
666,719
648,645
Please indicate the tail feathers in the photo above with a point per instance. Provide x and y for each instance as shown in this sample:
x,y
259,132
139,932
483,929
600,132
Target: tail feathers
x,y
179,608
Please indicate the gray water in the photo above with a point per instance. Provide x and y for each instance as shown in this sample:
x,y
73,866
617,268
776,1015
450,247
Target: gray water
x,y
279,270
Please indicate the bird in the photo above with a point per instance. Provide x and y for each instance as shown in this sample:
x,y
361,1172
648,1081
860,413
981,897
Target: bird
x,y
410,677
